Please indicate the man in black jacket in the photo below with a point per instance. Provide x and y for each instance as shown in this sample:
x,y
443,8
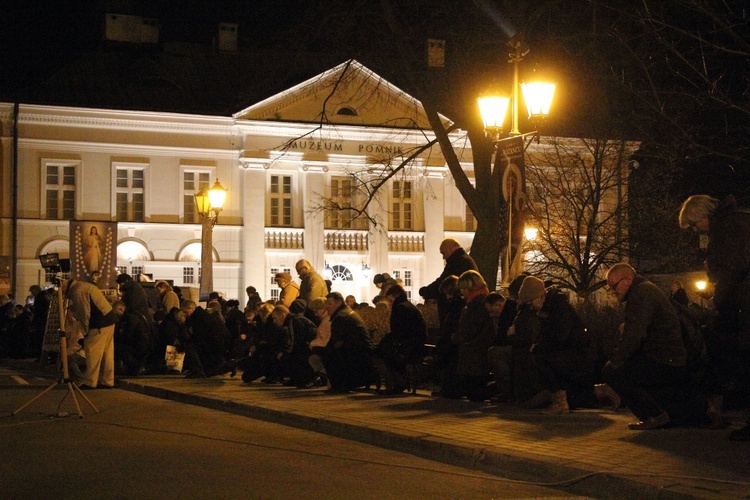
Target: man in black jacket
x,y
457,261
348,355
648,368
404,344
208,341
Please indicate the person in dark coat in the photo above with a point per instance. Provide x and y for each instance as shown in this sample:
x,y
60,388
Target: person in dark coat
x,y
563,353
207,341
348,354
728,264
39,312
445,354
268,343
133,343
404,344
457,262
648,368
298,332
474,337
678,294
133,294
171,332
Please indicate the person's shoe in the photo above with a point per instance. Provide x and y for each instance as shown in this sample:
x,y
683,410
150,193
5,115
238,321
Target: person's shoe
x,y
85,387
742,434
196,374
310,384
650,423
101,386
540,399
289,383
233,371
271,380
559,404
605,393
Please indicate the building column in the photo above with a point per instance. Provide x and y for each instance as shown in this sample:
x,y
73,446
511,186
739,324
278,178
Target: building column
x,y
378,244
313,186
433,187
254,226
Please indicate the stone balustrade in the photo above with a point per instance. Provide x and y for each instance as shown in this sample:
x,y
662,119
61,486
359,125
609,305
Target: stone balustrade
x,y
285,238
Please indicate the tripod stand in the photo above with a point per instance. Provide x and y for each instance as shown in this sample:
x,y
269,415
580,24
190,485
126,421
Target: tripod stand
x,y
72,387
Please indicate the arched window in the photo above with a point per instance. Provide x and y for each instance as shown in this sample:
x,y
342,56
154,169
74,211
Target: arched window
x,y
341,273
346,111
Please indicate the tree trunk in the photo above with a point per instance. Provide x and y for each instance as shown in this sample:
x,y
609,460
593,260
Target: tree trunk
x,y
486,249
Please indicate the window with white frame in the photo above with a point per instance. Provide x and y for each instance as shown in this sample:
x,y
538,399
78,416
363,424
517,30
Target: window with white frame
x,y
406,280
59,190
402,206
136,271
192,182
343,194
188,275
280,201
340,272
130,193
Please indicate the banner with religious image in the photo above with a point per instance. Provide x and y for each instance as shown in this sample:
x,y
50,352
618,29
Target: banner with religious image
x,y
93,253
510,166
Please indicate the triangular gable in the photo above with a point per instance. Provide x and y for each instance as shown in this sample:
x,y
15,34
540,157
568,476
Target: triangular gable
x,y
351,95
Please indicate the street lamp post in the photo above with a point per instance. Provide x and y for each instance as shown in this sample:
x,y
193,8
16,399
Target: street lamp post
x,y
209,203
701,287
509,150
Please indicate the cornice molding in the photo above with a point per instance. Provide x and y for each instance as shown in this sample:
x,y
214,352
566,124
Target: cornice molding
x,y
118,148
122,120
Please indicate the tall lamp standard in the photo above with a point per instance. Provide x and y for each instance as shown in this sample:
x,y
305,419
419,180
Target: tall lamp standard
x,y
700,285
209,203
510,148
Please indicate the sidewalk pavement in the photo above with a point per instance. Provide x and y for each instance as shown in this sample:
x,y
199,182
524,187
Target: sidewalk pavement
x,y
586,452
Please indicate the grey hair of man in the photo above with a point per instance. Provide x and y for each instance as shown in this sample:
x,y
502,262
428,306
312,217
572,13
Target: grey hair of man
x,y
695,208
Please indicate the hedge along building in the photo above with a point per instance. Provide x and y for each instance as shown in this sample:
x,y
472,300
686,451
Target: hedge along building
x,y
286,162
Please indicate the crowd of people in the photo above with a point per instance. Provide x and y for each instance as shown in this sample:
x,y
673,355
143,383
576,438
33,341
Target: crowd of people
x,y
527,346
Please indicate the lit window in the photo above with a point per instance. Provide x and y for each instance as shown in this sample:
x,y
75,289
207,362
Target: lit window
x,y
280,201
192,182
188,275
129,194
59,191
402,205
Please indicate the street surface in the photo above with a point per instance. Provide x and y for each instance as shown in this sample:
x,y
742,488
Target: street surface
x,y
143,447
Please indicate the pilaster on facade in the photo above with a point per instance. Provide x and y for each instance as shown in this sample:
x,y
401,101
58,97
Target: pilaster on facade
x,y
434,222
254,188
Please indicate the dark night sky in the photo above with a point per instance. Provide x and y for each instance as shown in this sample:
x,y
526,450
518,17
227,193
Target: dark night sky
x,y
53,53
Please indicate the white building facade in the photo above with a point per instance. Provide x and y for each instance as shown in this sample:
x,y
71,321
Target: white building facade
x,y
142,169
280,160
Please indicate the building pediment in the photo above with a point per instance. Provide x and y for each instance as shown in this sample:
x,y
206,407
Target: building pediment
x,y
349,94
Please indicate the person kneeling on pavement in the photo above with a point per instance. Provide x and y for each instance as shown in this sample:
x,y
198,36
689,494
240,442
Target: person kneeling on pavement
x,y
562,353
648,367
348,354
404,344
